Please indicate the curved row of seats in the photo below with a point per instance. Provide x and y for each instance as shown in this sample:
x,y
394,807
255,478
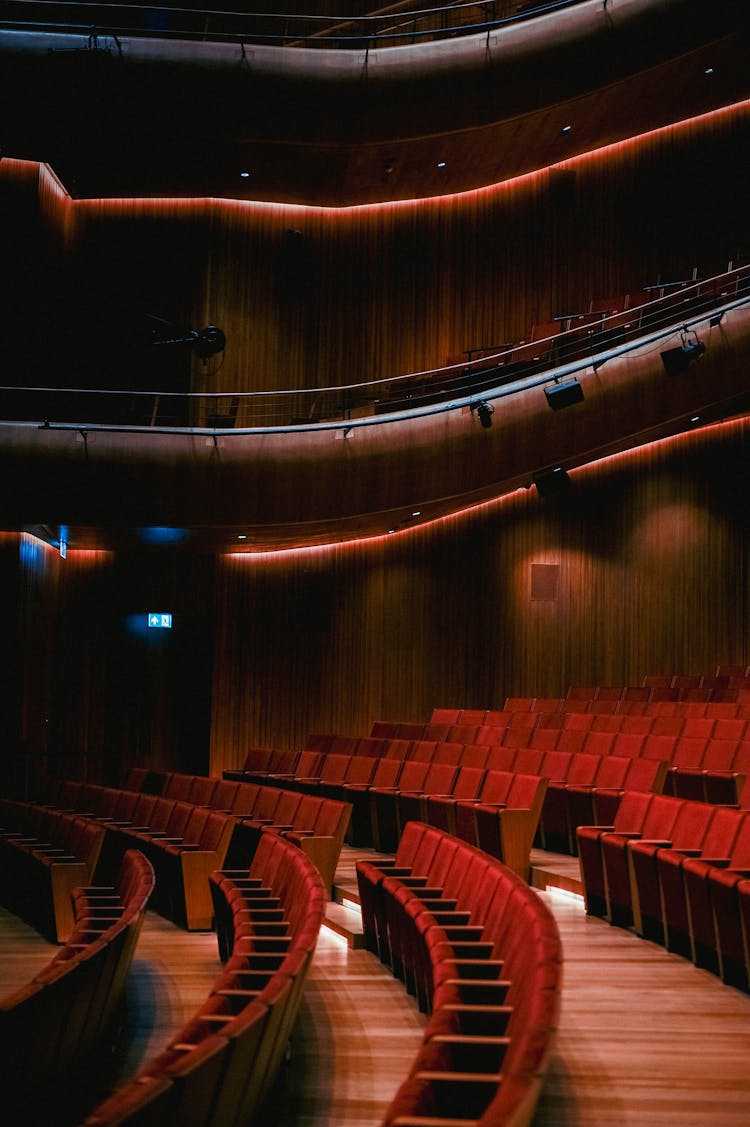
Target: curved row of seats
x,y
452,785
679,872
482,954
497,810
219,1068
51,1028
44,855
196,826
317,826
661,702
707,756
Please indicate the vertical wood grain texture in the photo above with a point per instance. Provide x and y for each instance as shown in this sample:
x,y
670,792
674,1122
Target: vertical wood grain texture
x,y
312,297
653,554
97,690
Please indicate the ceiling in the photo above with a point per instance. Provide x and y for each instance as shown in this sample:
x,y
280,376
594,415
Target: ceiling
x,y
339,128
157,117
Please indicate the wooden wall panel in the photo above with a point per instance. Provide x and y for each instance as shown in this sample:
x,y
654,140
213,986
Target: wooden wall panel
x,y
98,690
653,551
312,297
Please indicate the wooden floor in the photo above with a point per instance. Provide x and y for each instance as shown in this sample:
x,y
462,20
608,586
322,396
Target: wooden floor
x,y
645,1039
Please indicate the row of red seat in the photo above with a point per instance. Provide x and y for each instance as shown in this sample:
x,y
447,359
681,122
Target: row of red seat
x,y
483,955
660,702
221,1066
705,720
53,1027
439,781
551,726
215,821
44,855
605,700
704,769
316,824
389,792
679,872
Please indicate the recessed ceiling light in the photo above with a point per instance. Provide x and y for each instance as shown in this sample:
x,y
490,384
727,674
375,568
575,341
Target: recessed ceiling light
x,y
695,418
566,128
709,70
242,537
391,531
244,175
441,164
417,513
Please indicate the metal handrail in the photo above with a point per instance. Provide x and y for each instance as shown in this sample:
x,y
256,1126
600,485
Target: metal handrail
x,y
383,400
98,18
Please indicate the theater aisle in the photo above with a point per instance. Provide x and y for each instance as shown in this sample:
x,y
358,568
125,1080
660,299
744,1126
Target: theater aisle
x,y
646,1039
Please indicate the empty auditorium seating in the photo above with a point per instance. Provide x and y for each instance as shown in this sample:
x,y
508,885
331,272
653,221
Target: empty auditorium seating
x,y
51,1027
44,855
482,954
222,1065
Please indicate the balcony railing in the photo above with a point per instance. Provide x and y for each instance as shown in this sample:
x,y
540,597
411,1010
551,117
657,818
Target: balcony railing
x,y
397,25
584,342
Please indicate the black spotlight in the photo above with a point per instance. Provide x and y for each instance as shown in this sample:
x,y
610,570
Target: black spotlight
x,y
204,342
484,411
564,394
550,482
207,342
678,360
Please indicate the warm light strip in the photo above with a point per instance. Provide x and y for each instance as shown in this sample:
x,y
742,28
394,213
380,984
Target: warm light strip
x,y
575,899
479,507
472,193
325,926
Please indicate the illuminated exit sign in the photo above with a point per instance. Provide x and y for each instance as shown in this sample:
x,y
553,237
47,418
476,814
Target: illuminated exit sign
x,y
160,621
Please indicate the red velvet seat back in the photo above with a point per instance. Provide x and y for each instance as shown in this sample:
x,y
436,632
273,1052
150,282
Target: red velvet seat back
x,y
501,758
423,749
659,747
528,761
613,770
387,772
644,774
448,751
397,749
361,769
287,807
555,765
496,786
584,768
689,751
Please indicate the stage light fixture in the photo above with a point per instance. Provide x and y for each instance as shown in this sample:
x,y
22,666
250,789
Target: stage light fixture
x,y
678,360
204,342
484,411
561,395
552,481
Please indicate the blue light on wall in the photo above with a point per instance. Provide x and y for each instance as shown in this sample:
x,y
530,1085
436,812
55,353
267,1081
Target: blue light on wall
x,y
159,621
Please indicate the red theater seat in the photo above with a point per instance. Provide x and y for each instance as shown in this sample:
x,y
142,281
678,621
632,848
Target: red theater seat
x,y
630,817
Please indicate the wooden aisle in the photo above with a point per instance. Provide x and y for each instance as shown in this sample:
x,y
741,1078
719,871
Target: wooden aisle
x,y
645,1039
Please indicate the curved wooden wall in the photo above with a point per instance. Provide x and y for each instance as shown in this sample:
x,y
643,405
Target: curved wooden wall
x,y
182,117
652,551
311,297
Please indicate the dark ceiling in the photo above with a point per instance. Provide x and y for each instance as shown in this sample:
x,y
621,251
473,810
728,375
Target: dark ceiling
x,y
151,117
